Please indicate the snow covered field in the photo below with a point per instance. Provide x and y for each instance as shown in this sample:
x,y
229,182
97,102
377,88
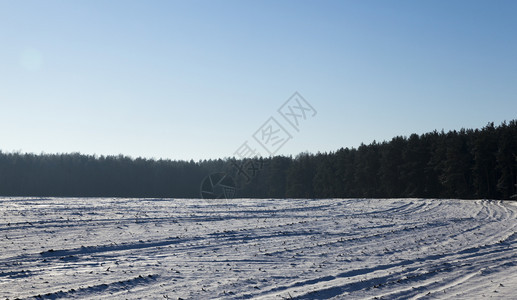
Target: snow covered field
x,y
257,249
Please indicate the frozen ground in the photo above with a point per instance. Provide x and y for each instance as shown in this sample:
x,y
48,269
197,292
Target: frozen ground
x,y
257,249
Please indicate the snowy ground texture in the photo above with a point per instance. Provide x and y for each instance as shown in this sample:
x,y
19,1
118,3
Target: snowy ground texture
x,y
257,249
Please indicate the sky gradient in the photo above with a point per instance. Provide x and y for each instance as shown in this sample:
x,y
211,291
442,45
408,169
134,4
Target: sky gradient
x,y
196,79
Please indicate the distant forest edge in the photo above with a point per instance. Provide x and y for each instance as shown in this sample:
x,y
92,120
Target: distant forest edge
x,y
470,163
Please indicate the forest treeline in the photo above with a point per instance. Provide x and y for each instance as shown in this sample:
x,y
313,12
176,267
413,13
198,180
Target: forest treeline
x,y
469,163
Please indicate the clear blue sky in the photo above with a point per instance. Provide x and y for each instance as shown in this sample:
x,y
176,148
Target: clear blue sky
x,y
196,79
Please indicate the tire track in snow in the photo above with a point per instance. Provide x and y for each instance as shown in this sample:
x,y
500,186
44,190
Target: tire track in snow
x,y
249,248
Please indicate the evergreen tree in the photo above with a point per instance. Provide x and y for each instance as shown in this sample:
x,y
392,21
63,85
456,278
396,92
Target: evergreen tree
x,y
506,157
485,163
457,164
391,164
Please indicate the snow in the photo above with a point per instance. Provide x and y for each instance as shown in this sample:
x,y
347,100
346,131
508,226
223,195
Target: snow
x,y
105,248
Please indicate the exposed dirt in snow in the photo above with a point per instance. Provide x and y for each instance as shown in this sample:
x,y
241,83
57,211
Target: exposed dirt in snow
x,y
257,249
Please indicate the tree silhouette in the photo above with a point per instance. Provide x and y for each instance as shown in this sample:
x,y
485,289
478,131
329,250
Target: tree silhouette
x,y
467,164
